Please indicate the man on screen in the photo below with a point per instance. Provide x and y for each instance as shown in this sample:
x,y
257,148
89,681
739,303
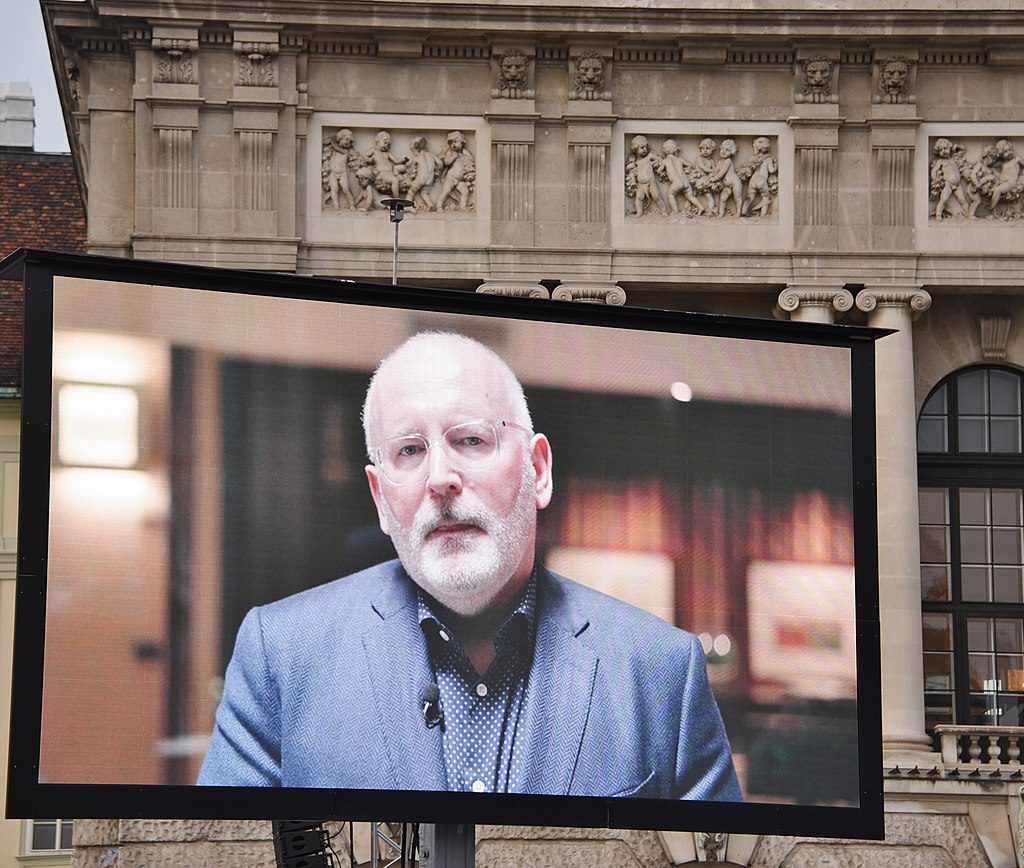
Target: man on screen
x,y
464,665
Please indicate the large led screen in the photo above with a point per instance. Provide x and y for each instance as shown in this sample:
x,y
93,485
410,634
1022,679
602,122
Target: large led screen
x,y
323,552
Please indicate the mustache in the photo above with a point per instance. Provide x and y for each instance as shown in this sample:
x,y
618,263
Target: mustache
x,y
447,512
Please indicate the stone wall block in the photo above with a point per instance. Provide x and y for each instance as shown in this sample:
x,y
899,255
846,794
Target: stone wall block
x,y
164,830
94,857
91,833
240,830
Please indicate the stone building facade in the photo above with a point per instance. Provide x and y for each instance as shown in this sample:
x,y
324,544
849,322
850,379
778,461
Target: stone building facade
x,y
777,159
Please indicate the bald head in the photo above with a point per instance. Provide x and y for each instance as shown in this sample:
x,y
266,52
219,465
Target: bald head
x,y
441,367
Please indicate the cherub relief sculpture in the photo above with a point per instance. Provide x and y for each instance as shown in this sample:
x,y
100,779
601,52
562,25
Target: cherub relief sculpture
x,y
816,86
425,166
982,179
672,170
459,172
990,187
725,171
391,172
588,77
710,184
945,178
339,160
356,176
761,174
893,80
703,176
1008,188
641,176
513,72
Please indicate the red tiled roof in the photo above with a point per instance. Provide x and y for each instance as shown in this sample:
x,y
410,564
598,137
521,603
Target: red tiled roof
x,y
40,206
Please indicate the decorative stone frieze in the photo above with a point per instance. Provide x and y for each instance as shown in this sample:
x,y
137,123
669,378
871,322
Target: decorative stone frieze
x,y
979,181
73,76
993,336
437,171
257,64
894,78
590,293
589,74
702,179
512,72
173,60
816,79
513,288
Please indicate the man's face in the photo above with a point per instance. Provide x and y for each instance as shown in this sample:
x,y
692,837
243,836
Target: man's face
x,y
465,536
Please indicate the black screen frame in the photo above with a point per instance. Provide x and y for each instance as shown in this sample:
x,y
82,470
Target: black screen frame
x,y
27,797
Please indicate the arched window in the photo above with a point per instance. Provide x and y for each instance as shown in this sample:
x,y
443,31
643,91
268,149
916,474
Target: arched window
x,y
971,478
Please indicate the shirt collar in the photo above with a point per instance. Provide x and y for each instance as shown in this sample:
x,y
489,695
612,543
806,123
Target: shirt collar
x,y
521,620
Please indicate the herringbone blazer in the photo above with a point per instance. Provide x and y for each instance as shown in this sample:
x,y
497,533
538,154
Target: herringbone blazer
x,y
323,690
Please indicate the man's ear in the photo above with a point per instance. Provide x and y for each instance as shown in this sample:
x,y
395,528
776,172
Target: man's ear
x,y
540,457
373,477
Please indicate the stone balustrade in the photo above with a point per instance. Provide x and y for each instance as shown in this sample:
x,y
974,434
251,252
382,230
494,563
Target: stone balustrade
x,y
978,745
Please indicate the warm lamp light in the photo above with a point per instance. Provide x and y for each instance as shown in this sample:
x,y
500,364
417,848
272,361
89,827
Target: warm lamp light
x,y
97,426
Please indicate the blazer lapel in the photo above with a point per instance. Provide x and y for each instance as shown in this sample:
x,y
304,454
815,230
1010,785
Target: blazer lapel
x,y
559,694
397,669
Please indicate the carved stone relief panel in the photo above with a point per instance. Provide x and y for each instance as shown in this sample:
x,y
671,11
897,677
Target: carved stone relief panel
x,y
816,79
678,177
436,169
976,179
588,73
893,79
512,74
256,63
173,60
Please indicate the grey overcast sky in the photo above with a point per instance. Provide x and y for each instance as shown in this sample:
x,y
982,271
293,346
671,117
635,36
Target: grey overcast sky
x,y
24,57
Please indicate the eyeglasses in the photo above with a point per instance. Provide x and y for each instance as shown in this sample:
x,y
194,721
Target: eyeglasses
x,y
470,447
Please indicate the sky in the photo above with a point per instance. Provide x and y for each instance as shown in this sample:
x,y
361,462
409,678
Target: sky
x,y
24,57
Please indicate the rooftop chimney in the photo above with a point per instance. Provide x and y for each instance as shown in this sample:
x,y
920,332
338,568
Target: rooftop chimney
x,y
17,115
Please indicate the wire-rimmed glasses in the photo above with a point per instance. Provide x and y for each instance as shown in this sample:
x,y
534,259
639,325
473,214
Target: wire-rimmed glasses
x,y
470,446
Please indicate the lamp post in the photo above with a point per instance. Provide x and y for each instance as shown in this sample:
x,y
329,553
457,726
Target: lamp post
x,y
397,208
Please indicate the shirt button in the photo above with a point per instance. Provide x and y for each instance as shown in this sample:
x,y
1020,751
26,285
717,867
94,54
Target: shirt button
x,y
481,689
478,786
443,635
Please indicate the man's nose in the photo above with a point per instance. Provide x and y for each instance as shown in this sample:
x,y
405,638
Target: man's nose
x,y
443,478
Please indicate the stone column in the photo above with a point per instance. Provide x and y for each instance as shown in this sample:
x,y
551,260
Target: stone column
x,y
815,303
899,557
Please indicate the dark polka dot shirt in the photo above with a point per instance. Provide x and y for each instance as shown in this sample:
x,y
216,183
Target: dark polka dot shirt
x,y
481,712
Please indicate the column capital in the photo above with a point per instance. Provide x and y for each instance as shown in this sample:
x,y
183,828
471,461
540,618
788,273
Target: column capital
x,y
594,293
795,295
913,297
514,288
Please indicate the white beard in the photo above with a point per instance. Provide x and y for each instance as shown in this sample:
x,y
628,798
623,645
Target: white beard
x,y
466,572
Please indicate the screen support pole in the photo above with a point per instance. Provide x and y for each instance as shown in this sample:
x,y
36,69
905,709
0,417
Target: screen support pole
x,y
447,845
397,208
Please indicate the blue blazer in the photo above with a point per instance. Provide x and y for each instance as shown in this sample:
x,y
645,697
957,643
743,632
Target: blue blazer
x,y
323,690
